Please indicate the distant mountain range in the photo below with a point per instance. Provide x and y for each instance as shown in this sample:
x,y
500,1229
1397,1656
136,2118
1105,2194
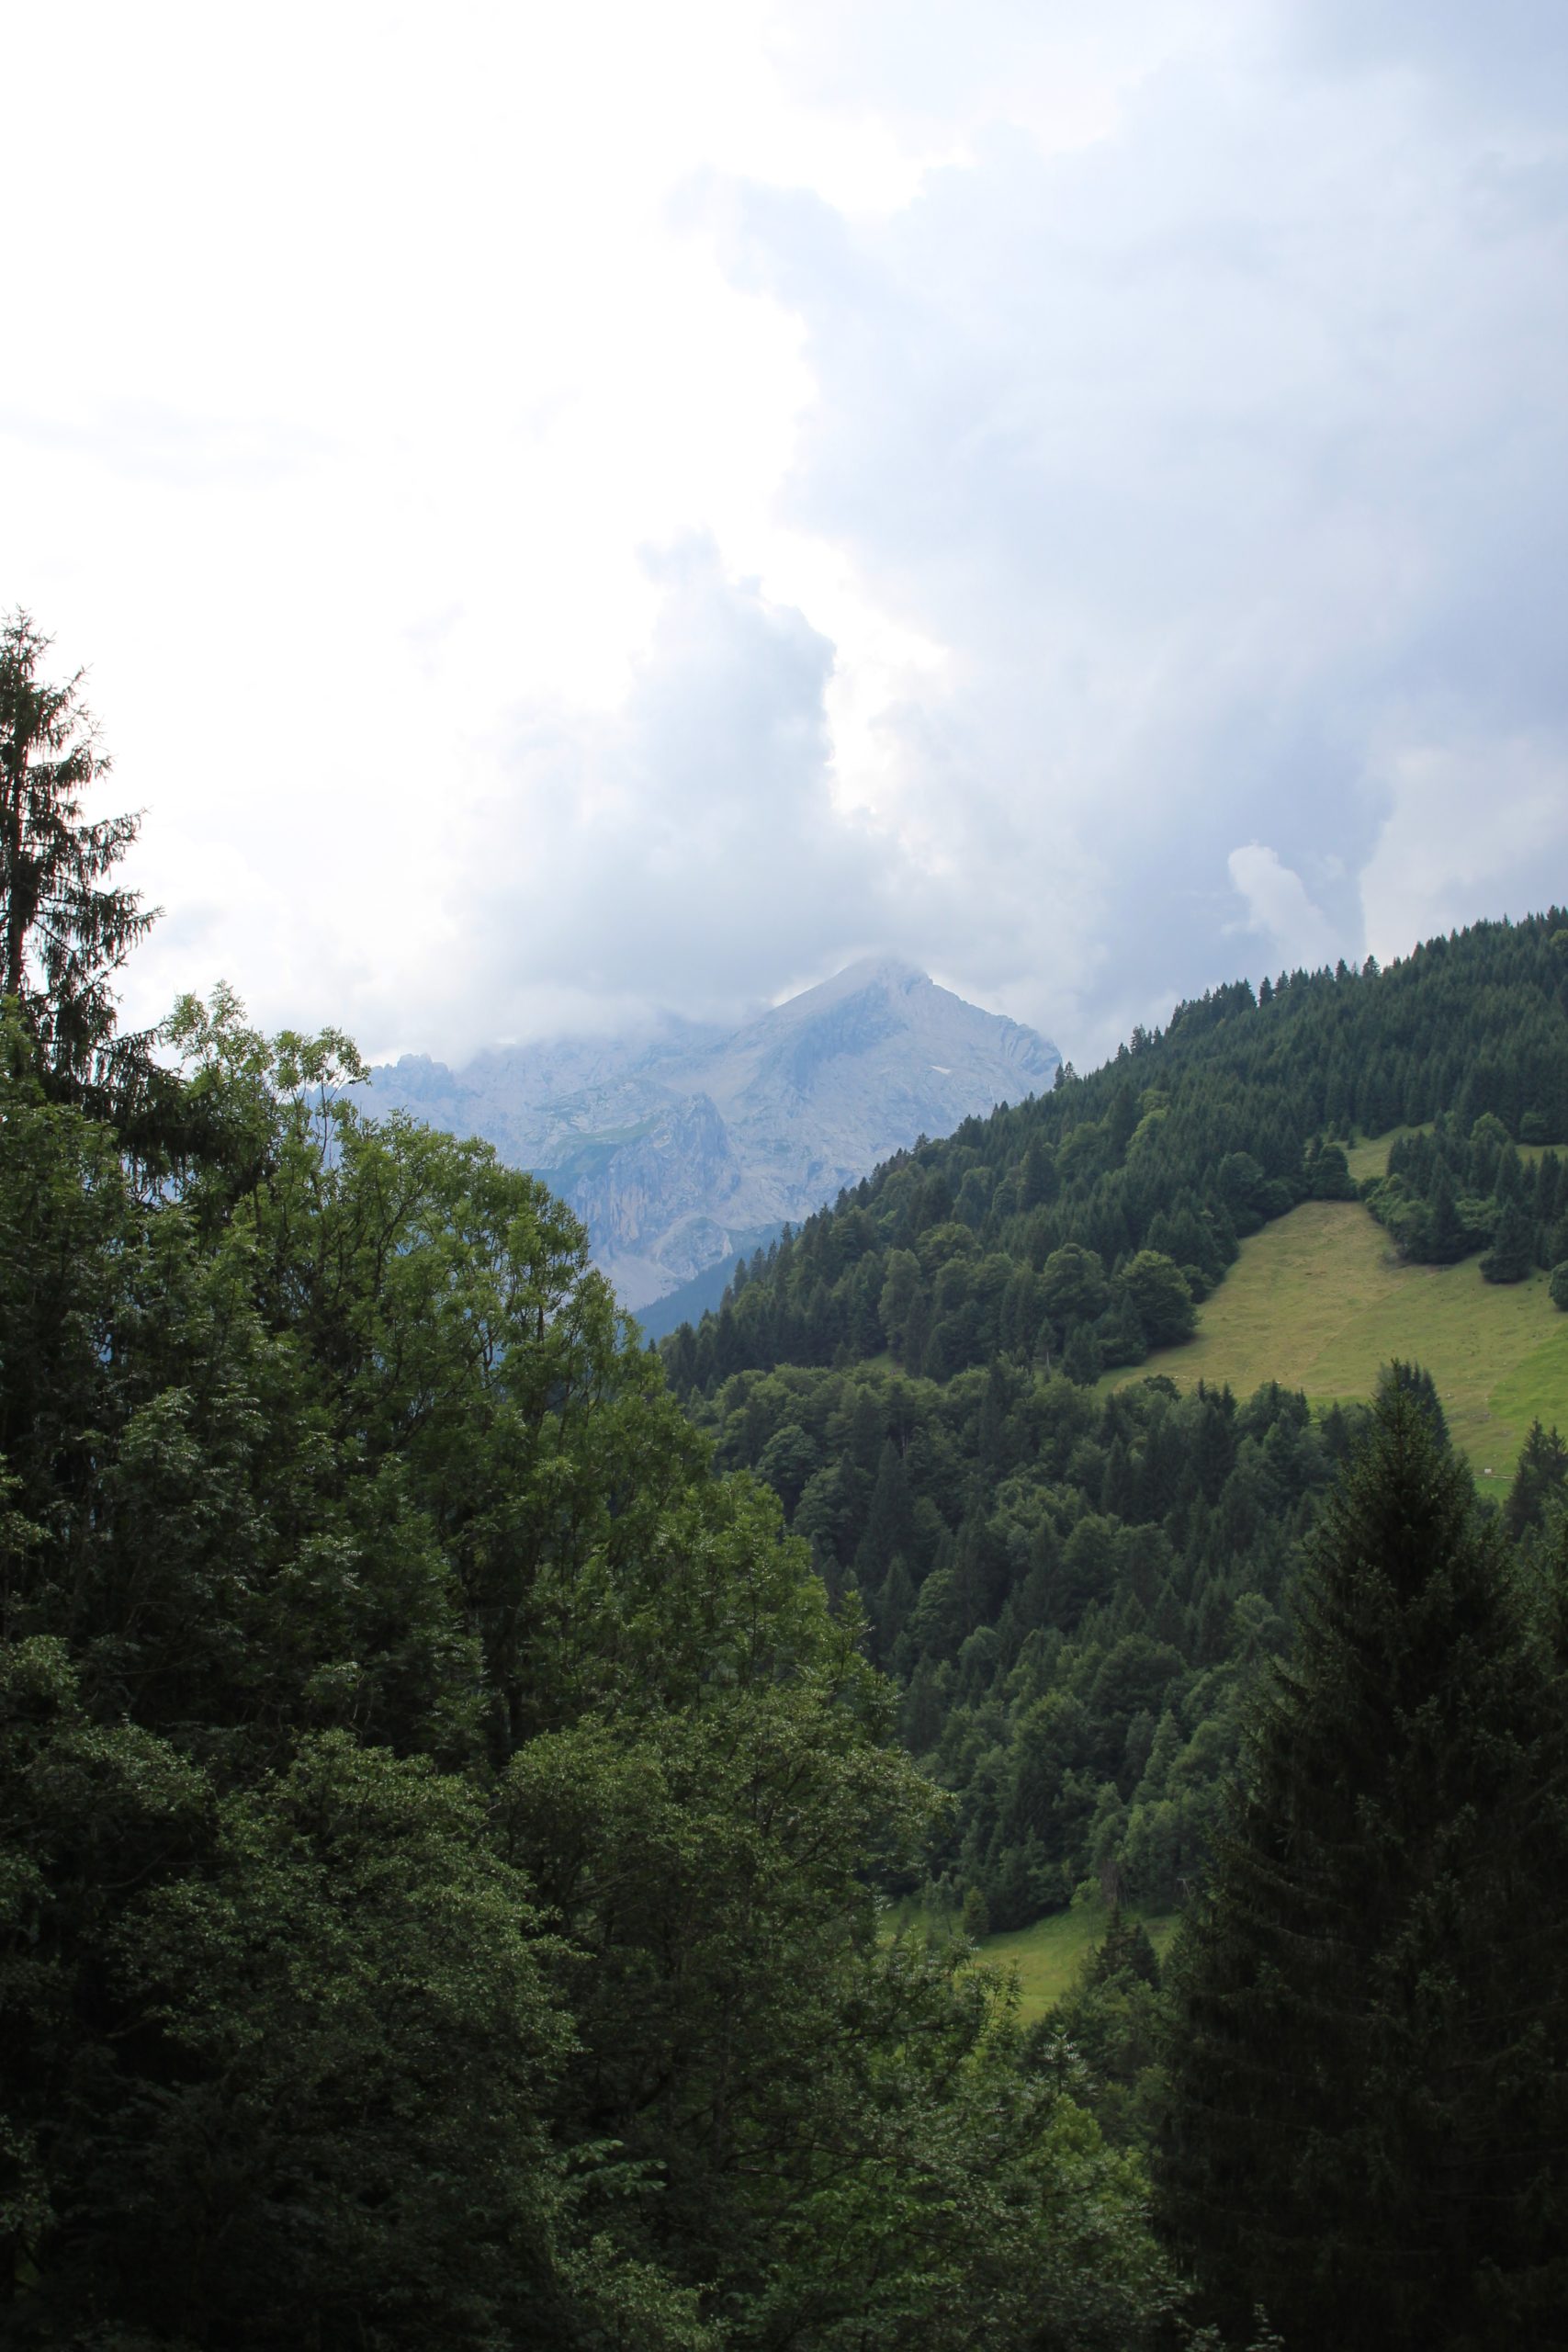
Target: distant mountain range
x,y
685,1146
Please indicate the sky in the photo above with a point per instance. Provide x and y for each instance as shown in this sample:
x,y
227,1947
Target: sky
x,y
566,511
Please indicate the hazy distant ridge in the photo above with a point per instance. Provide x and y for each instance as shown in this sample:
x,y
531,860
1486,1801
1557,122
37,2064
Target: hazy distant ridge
x,y
675,1146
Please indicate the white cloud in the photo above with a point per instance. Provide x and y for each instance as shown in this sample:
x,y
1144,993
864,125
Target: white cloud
x,y
686,842
1295,932
1473,826
1094,445
1211,452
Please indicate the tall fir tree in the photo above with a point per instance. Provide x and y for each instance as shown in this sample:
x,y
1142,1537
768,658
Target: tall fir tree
x,y
1539,1481
1508,1260
1368,2126
64,928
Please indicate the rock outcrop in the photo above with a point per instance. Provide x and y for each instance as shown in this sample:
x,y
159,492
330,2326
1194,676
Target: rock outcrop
x,y
684,1146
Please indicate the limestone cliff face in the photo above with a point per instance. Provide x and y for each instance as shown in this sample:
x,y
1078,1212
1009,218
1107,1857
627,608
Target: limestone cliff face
x,y
676,1147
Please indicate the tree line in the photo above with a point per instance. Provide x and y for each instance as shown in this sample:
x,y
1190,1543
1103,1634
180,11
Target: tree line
x,y
1079,1228
1450,1193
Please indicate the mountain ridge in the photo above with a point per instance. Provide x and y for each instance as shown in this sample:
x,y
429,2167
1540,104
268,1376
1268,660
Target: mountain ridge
x,y
676,1144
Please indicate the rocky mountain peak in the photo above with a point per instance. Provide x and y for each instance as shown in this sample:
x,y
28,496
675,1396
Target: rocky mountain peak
x,y
680,1150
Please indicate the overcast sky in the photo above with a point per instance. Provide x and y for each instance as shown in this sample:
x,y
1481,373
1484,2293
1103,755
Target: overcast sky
x,y
567,508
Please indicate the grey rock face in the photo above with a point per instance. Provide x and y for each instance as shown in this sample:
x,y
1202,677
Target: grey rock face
x,y
671,1145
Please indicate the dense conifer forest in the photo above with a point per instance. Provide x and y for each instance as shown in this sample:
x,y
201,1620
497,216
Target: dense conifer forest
x,y
1190,1139
1076,1592
454,1781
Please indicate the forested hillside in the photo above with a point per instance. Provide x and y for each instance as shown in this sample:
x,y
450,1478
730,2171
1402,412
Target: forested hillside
x,y
1190,1138
442,1820
1075,1594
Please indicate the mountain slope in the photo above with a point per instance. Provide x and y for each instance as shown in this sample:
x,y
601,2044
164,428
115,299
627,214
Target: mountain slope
x,y
1077,1582
1187,1142
679,1147
1320,1302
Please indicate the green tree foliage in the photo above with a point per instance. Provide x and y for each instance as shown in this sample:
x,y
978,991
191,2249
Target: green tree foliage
x,y
1183,1145
333,2040
1509,1259
1114,2023
1448,1194
956,2191
1072,1284
441,1817
1330,1173
65,930
1540,1480
1414,1382
1058,1524
1158,1294
1078,1592
1073,1593
1368,2106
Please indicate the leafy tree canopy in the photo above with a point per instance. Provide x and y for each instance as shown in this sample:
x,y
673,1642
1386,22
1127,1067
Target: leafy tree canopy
x,y
441,1817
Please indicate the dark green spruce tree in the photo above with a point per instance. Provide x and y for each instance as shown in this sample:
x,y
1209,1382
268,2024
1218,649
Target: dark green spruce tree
x,y
1368,2122
1508,1260
1540,1480
64,927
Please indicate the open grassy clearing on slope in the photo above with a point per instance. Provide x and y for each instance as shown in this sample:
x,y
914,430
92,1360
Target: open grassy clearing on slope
x,y
1048,1955
1045,1956
1318,1301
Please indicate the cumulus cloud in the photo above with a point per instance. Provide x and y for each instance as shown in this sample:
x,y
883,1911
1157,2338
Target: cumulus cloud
x,y
1112,479
1218,451
1472,825
686,848
1295,933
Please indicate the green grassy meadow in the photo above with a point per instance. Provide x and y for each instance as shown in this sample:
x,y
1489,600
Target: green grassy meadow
x,y
1318,1301
1047,1956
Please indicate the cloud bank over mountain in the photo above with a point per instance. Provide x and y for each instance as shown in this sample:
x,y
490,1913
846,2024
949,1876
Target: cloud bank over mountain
x,y
682,1144
1080,507
1225,456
